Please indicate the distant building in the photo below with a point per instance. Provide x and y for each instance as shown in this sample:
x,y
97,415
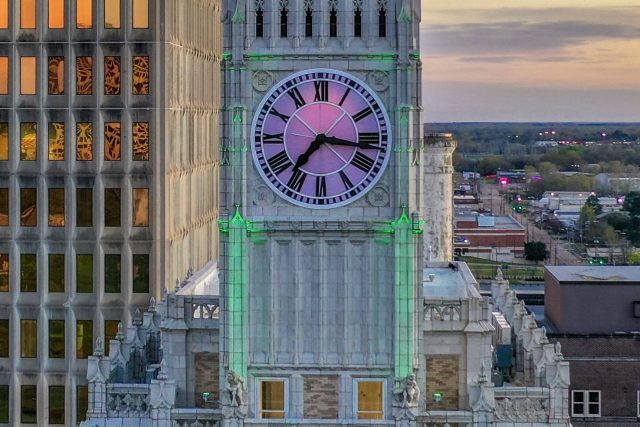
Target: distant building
x,y
617,183
500,238
566,205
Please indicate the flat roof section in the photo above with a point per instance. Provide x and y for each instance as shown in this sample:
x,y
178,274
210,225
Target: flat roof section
x,y
581,274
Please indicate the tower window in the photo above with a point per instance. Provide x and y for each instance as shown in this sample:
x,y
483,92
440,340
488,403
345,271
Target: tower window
x,y
84,14
259,18
84,339
56,404
56,273
4,75
84,273
28,9
29,404
29,339
28,141
4,141
111,14
357,18
140,269
4,218
84,207
140,13
333,18
56,14
382,18
56,75
370,400
308,18
4,18
4,339
57,348
28,75
272,399
28,207
284,18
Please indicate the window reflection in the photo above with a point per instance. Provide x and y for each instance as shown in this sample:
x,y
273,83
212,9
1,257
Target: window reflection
x,y
4,352
140,75
112,141
84,207
140,141
4,141
4,13
84,75
56,339
112,72
84,339
56,14
84,141
56,207
4,207
56,404
112,14
112,207
140,207
141,274
4,75
84,13
28,14
28,141
56,75
140,13
28,73
4,272
56,141
111,274
28,338
28,207
84,273
28,273
29,403
56,273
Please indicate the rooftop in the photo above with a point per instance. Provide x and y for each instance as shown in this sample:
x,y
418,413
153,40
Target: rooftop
x,y
488,221
578,273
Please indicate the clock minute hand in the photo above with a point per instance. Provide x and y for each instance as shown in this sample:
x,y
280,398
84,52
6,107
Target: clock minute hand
x,y
339,141
304,157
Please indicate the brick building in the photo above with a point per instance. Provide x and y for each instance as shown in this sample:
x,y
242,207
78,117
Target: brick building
x,y
499,238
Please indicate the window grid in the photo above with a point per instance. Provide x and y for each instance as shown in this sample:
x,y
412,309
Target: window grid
x,y
585,403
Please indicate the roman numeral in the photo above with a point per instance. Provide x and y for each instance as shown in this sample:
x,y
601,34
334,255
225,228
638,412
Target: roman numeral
x,y
295,94
372,138
321,186
345,180
322,90
362,114
275,138
280,162
297,180
362,162
276,113
344,97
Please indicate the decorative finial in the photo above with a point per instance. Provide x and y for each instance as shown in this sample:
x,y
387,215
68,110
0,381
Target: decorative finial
x,y
137,317
98,351
120,333
152,305
162,373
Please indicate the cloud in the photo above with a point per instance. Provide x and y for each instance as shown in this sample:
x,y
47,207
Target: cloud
x,y
504,59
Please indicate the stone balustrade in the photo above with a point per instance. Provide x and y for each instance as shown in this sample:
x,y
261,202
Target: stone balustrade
x,y
196,417
128,400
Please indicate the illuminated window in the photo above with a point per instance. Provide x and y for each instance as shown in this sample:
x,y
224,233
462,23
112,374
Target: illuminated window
x,y
56,272
28,403
56,14
112,273
28,75
4,272
140,207
112,14
4,338
112,207
84,75
84,141
140,13
4,404
84,273
140,274
84,207
112,73
370,400
28,14
56,404
141,75
272,399
28,141
28,338
4,75
4,207
140,141
84,339
28,207
84,13
56,141
4,20
82,402
110,330
56,75
4,141
57,346
112,141
56,207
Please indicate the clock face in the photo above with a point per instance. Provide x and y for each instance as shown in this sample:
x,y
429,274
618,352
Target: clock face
x,y
321,138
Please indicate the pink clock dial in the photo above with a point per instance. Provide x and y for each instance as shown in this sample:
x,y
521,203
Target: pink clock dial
x,y
321,138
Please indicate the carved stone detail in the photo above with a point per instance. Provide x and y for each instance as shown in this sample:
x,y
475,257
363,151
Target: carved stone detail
x,y
262,80
521,410
379,80
442,312
378,197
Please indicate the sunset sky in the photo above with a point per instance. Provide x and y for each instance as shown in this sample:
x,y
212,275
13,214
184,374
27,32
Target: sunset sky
x,y
531,60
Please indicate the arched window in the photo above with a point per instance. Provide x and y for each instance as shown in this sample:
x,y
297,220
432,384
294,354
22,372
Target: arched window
x,y
357,18
333,18
308,18
284,17
259,18
382,18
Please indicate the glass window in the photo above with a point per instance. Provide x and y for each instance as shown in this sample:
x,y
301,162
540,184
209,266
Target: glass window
x,y
4,207
84,273
28,141
29,403
140,207
28,273
4,141
141,75
110,331
112,276
112,13
272,399
112,207
4,338
56,75
56,141
56,14
4,272
28,338
140,141
84,339
84,207
84,13
382,22
585,403
333,22
4,75
84,75
308,23
4,404
112,73
284,21
259,23
28,14
140,13
4,21
57,345
141,274
84,141
357,23
82,402
56,404
56,207
28,207
112,141
56,272
370,405
28,75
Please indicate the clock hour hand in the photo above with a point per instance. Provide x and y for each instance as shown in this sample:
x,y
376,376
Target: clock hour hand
x,y
339,141
304,157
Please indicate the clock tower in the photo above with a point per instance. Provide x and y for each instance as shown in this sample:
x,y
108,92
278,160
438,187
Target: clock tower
x,y
321,194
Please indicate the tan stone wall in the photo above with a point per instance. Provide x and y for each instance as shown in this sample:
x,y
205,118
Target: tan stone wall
x,y
207,368
442,377
321,395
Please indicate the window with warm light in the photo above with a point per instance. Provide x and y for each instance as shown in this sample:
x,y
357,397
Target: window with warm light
x,y
110,330
140,141
84,14
84,75
28,404
84,273
84,141
4,75
140,13
28,75
4,141
56,75
140,75
56,14
112,273
140,269
4,17
112,14
140,207
29,338
84,207
4,272
56,404
28,207
57,346
28,11
112,207
56,141
370,400
112,141
112,73
84,339
28,141
4,207
56,273
272,399
56,207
